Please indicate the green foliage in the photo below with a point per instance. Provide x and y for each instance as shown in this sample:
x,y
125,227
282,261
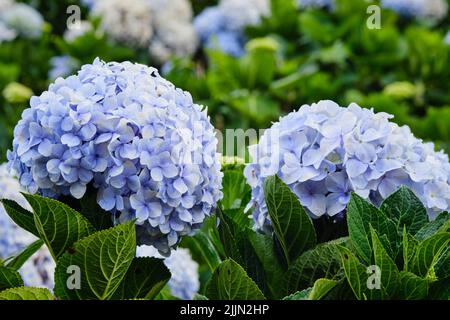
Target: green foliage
x,y
26,293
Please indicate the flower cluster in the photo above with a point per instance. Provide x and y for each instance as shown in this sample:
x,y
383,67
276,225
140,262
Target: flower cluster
x,y
222,26
142,143
19,19
174,33
128,22
327,4
323,152
422,9
62,66
38,270
164,26
184,283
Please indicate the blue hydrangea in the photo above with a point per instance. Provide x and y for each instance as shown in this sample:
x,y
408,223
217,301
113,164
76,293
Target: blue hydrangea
x,y
422,9
222,27
148,150
323,152
184,283
22,18
447,38
62,66
38,270
326,4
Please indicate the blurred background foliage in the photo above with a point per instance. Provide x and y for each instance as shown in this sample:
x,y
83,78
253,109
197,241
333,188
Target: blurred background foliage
x,y
292,57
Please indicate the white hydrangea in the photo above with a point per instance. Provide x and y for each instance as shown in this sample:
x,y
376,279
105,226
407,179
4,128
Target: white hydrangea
x,y
125,21
22,18
73,33
240,14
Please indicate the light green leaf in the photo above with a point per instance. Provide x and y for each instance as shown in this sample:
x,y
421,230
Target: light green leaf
x,y
26,293
230,282
144,279
9,278
321,288
17,262
410,245
103,258
412,287
235,189
427,255
293,227
299,295
57,224
406,210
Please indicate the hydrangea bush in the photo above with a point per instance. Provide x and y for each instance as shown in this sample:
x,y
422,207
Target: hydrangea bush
x,y
38,270
222,26
323,152
148,150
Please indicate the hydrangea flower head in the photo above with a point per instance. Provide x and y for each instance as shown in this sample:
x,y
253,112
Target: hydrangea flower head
x,y
22,18
422,9
222,26
148,150
62,66
323,152
38,270
326,4
184,283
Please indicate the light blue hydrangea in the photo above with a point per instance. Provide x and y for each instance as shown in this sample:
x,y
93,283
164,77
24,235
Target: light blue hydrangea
x,y
184,283
323,152
23,19
222,27
447,38
142,143
62,66
6,33
38,270
421,9
326,4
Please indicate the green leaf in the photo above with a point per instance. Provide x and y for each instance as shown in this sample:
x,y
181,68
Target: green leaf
x,y
230,282
22,217
321,288
103,258
273,271
26,293
433,227
144,279
389,272
235,189
410,245
442,268
293,227
57,224
299,295
361,214
202,244
17,262
412,287
357,276
9,278
427,255
324,261
406,210
199,297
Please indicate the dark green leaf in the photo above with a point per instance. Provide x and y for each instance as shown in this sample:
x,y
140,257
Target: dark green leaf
x,y
9,278
412,287
293,227
427,255
230,282
17,262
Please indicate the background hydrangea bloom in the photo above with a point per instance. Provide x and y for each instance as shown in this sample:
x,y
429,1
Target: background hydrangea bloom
x,y
323,152
174,33
38,270
142,143
222,26
20,18
125,21
431,9
62,66
328,4
184,283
